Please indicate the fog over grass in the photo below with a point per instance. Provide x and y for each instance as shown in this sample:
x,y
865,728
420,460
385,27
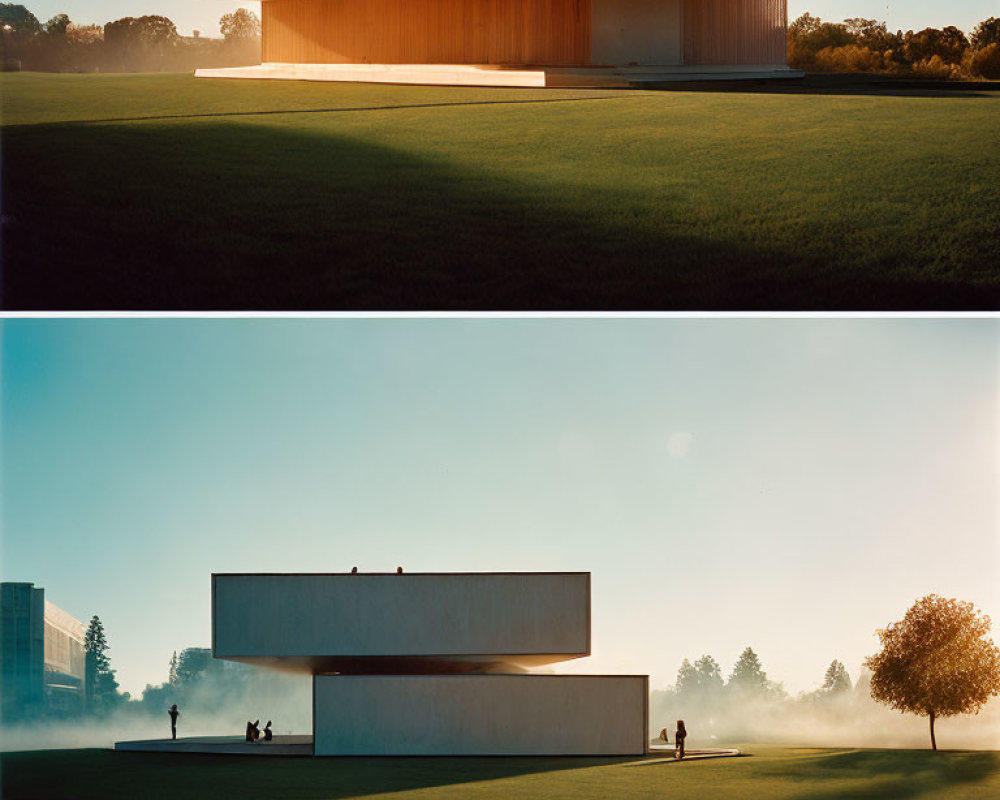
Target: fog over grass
x,y
847,719
214,705
222,705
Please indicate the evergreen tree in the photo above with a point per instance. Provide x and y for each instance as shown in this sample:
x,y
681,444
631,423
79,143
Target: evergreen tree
x,y
101,686
709,674
687,678
172,674
747,673
836,679
95,642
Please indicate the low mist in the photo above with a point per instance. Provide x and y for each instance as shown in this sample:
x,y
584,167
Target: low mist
x,y
844,719
216,704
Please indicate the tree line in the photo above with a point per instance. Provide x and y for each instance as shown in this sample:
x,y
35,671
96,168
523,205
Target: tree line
x,y
130,44
938,661
866,45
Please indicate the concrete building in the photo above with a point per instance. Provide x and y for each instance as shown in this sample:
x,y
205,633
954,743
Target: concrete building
x,y
435,664
42,658
519,42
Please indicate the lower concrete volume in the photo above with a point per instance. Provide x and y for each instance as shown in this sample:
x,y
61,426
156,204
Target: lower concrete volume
x,y
480,715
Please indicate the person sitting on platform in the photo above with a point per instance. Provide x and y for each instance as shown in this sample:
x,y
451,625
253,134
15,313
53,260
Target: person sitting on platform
x,y
249,731
679,736
663,736
268,736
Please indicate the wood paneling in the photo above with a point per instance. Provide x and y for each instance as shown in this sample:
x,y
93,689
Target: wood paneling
x,y
734,31
553,32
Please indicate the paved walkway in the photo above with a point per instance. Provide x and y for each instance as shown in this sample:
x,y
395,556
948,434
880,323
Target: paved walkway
x,y
223,745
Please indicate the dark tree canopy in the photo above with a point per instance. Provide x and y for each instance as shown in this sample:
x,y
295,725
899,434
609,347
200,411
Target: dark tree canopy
x,y
937,661
23,24
986,33
748,674
948,44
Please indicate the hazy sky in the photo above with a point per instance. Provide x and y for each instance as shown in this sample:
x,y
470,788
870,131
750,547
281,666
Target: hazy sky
x,y
788,484
204,14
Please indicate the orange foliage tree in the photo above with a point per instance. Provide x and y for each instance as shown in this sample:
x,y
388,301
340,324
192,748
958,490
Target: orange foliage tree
x,y
937,661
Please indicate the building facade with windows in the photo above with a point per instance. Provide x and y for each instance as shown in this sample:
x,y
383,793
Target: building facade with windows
x,y
42,656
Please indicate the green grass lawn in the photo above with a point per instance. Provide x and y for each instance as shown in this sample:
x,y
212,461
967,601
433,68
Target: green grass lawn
x,y
166,191
771,773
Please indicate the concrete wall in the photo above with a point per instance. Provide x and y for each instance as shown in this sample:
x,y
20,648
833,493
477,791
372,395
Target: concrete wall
x,y
416,615
644,32
480,714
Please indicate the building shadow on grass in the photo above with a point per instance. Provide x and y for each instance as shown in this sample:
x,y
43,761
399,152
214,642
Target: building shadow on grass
x,y
842,84
106,775
222,215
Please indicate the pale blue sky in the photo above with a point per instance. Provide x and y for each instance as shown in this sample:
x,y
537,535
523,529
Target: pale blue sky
x,y
204,14
787,484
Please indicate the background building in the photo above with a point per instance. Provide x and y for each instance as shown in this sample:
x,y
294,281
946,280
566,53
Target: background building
x,y
42,657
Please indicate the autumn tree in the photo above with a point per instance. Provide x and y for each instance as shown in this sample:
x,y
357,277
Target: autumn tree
x,y
836,679
948,44
937,661
748,674
986,33
240,24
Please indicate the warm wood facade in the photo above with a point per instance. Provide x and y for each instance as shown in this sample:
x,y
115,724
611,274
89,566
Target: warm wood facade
x,y
734,31
522,32
427,31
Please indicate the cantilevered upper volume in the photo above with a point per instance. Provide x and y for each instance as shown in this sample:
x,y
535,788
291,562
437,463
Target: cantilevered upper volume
x,y
401,623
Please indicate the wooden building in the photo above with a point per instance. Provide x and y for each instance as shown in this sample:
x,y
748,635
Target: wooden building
x,y
510,34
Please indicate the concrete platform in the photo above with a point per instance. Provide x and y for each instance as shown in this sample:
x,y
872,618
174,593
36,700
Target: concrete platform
x,y
441,74
502,76
223,745
665,752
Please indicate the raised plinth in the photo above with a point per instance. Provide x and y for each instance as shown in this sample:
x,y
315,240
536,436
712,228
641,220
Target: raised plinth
x,y
480,715
389,623
486,75
445,74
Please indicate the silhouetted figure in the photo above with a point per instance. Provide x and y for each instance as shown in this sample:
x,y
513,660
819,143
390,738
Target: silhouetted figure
x,y
663,736
399,570
249,731
354,570
174,714
268,736
256,730
679,736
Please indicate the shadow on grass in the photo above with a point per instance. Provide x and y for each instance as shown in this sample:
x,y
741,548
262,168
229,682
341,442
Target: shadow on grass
x,y
349,109
890,774
104,774
219,214
841,84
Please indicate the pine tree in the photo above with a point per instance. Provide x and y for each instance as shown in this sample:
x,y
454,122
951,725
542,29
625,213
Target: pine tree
x,y
747,674
709,674
687,677
172,674
101,686
95,642
836,679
